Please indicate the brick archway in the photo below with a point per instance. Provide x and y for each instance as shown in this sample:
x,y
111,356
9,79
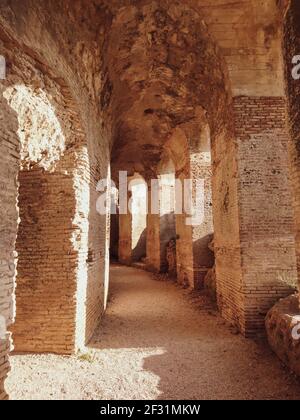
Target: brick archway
x,y
53,300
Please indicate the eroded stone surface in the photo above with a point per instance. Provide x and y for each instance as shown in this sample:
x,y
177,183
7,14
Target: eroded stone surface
x,y
283,330
123,82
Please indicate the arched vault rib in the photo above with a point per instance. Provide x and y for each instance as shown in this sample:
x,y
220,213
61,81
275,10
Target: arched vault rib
x,y
163,69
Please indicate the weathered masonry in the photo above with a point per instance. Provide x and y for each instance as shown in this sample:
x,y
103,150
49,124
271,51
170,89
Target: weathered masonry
x,y
165,90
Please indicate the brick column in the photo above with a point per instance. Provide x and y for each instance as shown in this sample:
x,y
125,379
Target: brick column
x,y
202,234
267,246
125,237
153,237
194,258
161,227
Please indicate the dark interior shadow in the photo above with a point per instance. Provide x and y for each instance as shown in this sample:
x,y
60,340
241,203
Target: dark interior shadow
x,y
114,237
139,252
167,233
202,252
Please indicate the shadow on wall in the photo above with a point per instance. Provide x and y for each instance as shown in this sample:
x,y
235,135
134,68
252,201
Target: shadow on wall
x,y
202,253
139,251
114,237
167,233
62,241
47,207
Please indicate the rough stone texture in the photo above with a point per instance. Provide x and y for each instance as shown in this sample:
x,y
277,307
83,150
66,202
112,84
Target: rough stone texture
x,y
125,238
68,277
266,226
128,81
280,322
291,44
153,259
285,315
9,152
190,148
184,72
210,280
161,227
133,225
210,283
171,258
47,208
5,348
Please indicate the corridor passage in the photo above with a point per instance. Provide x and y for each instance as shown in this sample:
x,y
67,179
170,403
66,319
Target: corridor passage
x,y
156,341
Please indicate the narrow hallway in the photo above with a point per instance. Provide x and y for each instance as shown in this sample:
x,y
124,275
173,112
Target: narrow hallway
x,y
156,341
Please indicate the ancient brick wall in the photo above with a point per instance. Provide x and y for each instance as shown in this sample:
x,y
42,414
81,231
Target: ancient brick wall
x,y
171,259
161,227
133,225
125,238
111,96
203,230
191,149
62,241
9,152
62,259
194,256
167,193
153,243
184,252
265,212
226,225
291,48
93,248
47,207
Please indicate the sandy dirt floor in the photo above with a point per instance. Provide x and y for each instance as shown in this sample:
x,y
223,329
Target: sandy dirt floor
x,y
156,341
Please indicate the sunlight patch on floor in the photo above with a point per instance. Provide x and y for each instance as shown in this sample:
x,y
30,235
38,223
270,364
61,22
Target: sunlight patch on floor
x,y
112,374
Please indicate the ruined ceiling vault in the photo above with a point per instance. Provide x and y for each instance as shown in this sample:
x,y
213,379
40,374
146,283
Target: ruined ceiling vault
x,y
143,68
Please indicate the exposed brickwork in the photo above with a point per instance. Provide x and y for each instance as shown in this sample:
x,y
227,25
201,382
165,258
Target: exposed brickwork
x,y
284,316
161,227
62,284
46,286
291,43
153,242
171,259
9,155
194,258
106,99
125,238
265,212
5,347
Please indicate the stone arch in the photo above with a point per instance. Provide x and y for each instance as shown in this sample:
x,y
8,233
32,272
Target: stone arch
x,y
167,91
172,83
144,74
190,147
47,209
62,278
